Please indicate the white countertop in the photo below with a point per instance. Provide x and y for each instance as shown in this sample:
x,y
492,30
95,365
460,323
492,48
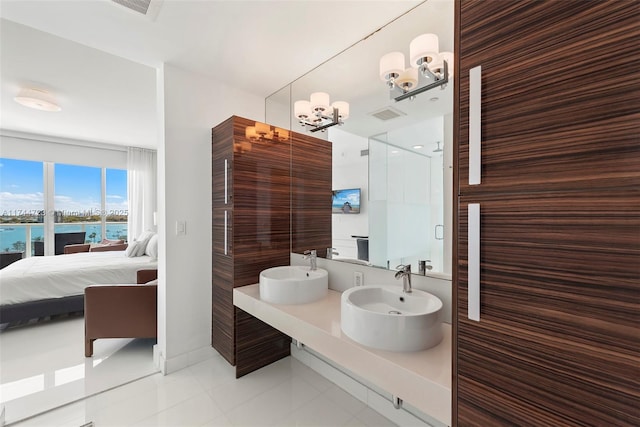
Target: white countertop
x,y
422,378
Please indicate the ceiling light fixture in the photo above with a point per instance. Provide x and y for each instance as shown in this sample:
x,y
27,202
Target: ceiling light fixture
x,y
38,99
429,68
418,147
319,114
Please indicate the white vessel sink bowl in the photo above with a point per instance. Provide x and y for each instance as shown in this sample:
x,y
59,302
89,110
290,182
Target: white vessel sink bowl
x,y
293,285
386,318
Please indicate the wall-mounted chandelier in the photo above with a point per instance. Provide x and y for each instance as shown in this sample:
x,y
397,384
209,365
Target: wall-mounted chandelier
x,y
428,69
319,114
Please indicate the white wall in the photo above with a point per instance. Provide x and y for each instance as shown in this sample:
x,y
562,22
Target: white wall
x,y
408,215
193,104
350,170
448,197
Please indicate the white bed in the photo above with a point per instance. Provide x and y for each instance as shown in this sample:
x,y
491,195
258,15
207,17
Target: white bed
x,y
47,277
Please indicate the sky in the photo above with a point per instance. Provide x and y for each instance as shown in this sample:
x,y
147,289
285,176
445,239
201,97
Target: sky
x,y
77,188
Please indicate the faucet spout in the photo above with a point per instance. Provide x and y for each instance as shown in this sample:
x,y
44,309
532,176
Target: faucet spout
x,y
404,272
312,256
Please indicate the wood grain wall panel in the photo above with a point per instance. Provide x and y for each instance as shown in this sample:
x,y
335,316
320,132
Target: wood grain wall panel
x,y
311,168
261,209
260,228
262,221
258,344
257,176
557,98
558,337
222,316
557,342
223,320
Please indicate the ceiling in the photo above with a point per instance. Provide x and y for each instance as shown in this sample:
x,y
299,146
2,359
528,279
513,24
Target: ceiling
x,y
353,76
98,58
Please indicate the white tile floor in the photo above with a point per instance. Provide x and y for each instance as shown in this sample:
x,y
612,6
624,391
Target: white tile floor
x,y
43,367
286,393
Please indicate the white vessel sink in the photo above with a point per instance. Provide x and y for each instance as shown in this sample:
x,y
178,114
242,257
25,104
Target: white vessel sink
x,y
386,318
293,285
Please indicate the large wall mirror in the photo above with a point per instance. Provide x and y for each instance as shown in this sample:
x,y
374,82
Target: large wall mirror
x,y
398,154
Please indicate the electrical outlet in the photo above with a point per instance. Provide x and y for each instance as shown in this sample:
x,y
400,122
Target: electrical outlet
x,y
358,278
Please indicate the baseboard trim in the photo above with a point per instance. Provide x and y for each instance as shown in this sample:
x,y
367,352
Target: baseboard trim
x,y
168,366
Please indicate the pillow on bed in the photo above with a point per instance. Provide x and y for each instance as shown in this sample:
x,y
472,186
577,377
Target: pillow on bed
x,y
143,240
132,249
152,247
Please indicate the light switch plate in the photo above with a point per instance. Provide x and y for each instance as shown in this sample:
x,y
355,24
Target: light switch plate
x,y
181,228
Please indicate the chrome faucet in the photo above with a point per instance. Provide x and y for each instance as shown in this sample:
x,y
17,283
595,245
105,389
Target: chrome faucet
x,y
404,271
331,252
423,267
312,256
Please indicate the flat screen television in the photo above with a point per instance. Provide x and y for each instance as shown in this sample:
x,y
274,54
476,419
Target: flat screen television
x,y
346,201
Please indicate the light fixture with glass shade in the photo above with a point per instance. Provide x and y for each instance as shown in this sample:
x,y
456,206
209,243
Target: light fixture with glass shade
x,y
391,65
263,132
429,68
38,99
318,113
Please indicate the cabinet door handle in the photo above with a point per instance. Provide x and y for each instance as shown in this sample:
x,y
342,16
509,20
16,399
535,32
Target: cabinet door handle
x,y
226,233
473,256
475,128
226,182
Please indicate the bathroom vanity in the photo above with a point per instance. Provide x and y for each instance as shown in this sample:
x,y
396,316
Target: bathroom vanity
x,y
420,378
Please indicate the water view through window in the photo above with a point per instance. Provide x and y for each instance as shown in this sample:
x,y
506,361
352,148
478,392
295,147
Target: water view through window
x,y
79,203
21,203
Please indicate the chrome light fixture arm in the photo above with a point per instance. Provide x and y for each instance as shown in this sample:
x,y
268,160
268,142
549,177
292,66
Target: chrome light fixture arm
x,y
335,120
438,81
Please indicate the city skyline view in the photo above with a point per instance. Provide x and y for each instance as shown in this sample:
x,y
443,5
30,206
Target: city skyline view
x,y
77,189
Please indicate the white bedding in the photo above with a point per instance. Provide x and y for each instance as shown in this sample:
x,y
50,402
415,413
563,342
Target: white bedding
x,y
43,277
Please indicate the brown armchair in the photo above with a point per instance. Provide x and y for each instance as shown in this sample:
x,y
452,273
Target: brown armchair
x,y
86,247
74,249
121,311
107,248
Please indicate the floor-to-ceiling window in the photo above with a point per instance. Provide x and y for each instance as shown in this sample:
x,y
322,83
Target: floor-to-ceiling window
x,y
82,199
78,200
21,205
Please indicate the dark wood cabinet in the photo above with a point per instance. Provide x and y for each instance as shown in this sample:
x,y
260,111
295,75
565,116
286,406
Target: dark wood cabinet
x,y
557,341
559,93
253,190
311,168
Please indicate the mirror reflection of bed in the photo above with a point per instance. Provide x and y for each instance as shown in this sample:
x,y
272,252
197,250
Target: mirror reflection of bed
x,y
42,338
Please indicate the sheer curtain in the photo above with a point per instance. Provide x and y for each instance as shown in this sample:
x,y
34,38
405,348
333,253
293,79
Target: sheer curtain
x,y
142,190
